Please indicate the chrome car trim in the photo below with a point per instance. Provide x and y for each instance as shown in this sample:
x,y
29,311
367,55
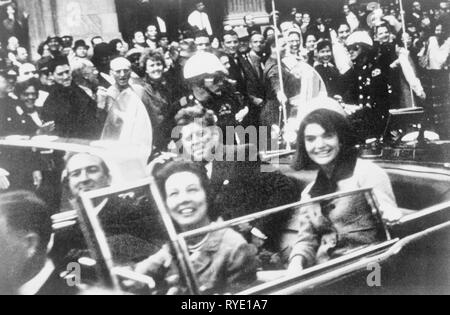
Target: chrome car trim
x,y
252,217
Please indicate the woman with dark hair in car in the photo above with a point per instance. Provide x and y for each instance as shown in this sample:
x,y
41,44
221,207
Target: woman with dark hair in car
x,y
328,230
222,260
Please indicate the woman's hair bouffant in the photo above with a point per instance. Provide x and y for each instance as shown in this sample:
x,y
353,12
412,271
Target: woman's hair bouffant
x,y
181,166
153,55
330,121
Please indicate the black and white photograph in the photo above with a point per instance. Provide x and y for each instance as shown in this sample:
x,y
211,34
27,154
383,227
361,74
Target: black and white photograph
x,y
224,150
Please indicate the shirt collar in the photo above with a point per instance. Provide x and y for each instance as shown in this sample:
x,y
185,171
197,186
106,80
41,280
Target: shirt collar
x,y
33,286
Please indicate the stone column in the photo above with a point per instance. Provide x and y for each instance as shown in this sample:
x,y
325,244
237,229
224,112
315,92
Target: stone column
x,y
86,18
40,21
237,9
81,19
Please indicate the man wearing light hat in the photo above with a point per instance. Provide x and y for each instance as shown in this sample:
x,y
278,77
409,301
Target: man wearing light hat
x,y
367,86
207,78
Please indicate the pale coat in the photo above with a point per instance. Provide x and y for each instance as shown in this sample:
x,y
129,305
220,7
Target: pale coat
x,y
331,230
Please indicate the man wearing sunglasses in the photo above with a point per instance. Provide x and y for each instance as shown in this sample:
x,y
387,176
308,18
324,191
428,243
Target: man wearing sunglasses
x,y
208,80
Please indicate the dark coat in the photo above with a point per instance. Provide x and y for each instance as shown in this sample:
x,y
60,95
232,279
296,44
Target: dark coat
x,y
19,162
225,106
243,188
368,87
13,120
236,73
158,101
75,113
332,79
253,76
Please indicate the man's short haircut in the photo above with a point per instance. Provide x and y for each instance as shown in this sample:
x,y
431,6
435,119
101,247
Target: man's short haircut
x,y
323,44
343,23
25,212
69,156
54,63
115,60
162,35
229,33
310,33
57,38
254,34
196,113
385,25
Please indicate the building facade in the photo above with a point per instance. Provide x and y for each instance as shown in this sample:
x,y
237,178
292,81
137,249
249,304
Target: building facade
x,y
119,18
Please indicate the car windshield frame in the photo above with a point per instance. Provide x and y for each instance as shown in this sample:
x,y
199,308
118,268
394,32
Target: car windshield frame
x,y
178,240
98,243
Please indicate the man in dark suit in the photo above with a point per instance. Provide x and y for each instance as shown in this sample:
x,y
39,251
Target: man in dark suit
x,y
236,73
74,112
25,232
253,69
237,182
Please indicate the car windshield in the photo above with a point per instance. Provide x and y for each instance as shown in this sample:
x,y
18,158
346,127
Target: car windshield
x,y
285,236
222,257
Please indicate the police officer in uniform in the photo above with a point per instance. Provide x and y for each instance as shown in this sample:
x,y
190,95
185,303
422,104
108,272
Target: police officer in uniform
x,y
208,81
368,87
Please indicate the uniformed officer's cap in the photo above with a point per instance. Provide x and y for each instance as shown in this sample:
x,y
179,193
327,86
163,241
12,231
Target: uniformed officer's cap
x,y
201,64
360,38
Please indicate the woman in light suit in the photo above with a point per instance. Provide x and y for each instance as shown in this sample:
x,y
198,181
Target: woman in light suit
x,y
330,229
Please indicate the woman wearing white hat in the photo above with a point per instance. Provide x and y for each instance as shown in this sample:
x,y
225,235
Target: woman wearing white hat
x,y
328,230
